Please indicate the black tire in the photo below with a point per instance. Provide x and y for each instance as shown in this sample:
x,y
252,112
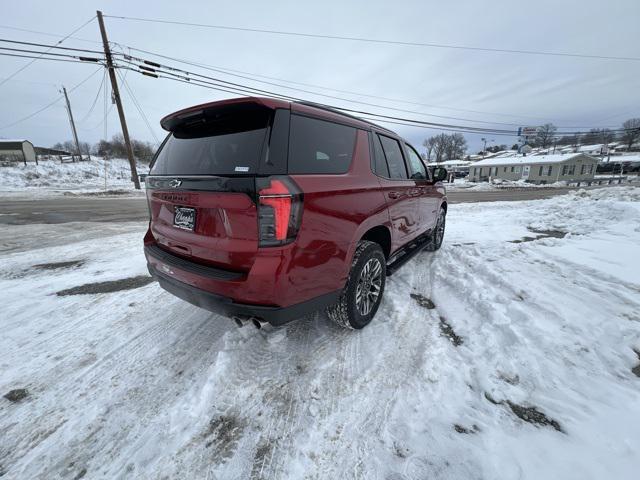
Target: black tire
x,y
435,242
347,311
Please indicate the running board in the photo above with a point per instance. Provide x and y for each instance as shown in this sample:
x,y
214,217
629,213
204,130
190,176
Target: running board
x,y
411,251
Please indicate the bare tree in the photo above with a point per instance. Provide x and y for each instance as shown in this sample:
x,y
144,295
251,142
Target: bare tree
x,y
456,146
439,146
446,147
544,137
632,132
429,144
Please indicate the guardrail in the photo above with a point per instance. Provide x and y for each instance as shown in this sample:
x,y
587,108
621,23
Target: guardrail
x,y
600,181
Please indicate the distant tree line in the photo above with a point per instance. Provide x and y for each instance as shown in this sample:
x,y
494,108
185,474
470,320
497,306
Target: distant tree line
x,y
546,136
453,146
114,148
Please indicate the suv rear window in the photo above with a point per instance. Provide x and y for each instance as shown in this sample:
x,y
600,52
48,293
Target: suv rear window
x,y
220,144
318,146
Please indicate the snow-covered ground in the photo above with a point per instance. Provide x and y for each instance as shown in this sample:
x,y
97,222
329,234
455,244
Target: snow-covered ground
x,y
499,184
50,177
521,370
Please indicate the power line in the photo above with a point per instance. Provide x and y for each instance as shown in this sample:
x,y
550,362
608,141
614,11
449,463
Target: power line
x,y
6,79
61,55
6,40
138,107
48,34
159,72
333,97
49,104
95,100
35,59
243,89
378,41
253,77
237,90
232,87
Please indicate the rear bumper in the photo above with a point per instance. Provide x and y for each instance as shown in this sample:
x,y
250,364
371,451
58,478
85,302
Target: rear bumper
x,y
226,305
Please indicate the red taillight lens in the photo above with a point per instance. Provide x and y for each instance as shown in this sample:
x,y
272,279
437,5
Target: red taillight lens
x,y
279,210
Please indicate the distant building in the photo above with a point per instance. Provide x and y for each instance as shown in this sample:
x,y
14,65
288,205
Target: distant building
x,y
17,151
460,167
537,169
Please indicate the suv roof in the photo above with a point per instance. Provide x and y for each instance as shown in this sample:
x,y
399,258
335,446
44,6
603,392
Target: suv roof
x,y
327,112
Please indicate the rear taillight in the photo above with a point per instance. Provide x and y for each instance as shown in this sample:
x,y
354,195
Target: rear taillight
x,y
279,210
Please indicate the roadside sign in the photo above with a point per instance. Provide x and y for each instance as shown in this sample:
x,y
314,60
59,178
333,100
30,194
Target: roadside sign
x,y
528,131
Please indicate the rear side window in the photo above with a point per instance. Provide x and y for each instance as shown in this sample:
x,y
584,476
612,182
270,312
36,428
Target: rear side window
x,y
229,144
418,171
395,160
318,146
380,162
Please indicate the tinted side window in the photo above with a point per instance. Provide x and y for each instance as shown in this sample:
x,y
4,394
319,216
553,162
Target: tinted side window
x,y
317,146
418,172
395,160
379,160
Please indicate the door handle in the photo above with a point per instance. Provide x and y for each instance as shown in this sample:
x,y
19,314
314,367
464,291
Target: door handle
x,y
394,195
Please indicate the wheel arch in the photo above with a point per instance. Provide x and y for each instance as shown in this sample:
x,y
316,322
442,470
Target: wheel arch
x,y
381,235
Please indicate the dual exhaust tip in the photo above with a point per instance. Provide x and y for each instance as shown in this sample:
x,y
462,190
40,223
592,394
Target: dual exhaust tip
x,y
256,322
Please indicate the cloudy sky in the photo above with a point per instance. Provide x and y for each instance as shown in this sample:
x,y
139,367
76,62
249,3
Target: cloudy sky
x,y
443,85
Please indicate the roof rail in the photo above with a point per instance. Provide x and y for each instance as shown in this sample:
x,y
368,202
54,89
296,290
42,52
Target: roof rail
x,y
337,111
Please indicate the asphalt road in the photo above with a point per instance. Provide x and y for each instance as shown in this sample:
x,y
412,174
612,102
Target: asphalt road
x,y
55,210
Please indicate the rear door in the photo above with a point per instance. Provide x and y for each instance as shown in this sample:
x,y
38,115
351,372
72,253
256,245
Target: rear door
x,y
429,196
201,187
400,192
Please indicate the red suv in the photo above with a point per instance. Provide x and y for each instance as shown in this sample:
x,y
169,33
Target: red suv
x,y
266,210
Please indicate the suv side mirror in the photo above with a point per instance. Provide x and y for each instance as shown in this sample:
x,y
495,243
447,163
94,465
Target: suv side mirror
x,y
142,177
439,174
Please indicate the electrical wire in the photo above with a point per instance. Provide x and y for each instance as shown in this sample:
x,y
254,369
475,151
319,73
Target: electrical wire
x,y
128,58
17,55
48,34
95,100
33,44
49,104
333,97
159,71
411,122
378,41
60,55
138,106
253,76
36,59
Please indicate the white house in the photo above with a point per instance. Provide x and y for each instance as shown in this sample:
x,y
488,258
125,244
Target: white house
x,y
536,168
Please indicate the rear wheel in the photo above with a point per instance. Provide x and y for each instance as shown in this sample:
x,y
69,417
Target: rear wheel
x,y
362,294
438,232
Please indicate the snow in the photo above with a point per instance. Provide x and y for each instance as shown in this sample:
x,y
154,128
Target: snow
x,y
139,384
52,177
500,184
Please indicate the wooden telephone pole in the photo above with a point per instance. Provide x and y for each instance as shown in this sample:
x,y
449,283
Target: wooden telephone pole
x,y
73,125
116,95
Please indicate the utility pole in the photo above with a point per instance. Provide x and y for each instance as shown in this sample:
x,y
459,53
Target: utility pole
x,y
116,96
73,125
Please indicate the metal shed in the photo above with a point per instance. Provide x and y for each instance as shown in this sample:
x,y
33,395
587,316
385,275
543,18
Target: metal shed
x,y
17,151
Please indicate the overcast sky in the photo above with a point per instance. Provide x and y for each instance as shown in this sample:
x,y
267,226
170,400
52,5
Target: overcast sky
x,y
471,86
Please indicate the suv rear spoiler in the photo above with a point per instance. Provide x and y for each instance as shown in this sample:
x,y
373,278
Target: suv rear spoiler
x,y
209,111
